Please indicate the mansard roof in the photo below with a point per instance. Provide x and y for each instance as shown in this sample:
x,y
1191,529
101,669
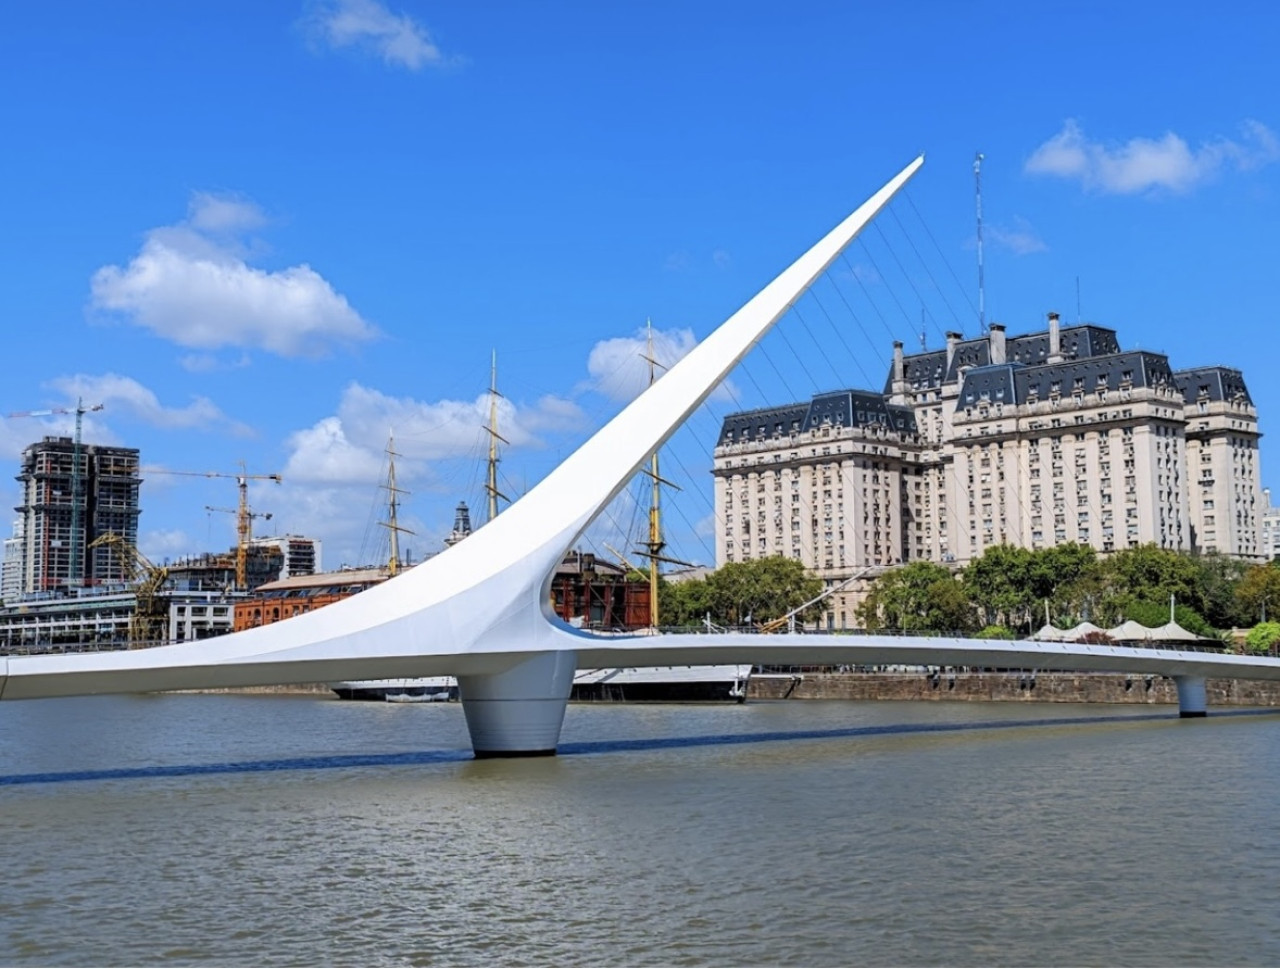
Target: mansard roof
x,y
930,370
1015,383
1212,383
1075,342
858,408
763,422
841,408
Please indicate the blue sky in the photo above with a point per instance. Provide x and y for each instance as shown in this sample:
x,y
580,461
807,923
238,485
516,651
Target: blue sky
x,y
275,232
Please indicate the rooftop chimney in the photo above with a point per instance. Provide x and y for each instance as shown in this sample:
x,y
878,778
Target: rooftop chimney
x,y
898,385
953,339
997,345
1055,340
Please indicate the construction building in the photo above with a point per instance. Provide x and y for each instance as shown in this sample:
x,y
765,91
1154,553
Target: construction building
x,y
299,555
106,619
216,572
58,524
1035,440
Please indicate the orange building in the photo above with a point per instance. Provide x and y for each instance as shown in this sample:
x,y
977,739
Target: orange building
x,y
285,598
585,590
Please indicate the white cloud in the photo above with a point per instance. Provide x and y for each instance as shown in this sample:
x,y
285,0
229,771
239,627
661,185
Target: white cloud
x,y
368,26
1020,238
159,545
682,260
349,447
119,393
191,284
335,466
619,367
228,213
1145,164
862,273
323,453
209,362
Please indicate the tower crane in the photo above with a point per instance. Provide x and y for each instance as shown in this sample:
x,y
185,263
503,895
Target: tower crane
x,y
244,517
74,571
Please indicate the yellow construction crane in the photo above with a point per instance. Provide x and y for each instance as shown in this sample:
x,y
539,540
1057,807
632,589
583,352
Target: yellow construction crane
x,y
244,517
148,626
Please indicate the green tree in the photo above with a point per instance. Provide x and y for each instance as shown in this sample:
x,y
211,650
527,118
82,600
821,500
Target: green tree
x,y
1151,574
1220,577
918,597
1053,569
1258,591
683,603
1263,637
995,632
761,589
999,585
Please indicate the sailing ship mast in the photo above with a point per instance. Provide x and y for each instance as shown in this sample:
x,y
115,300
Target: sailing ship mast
x,y
392,523
491,482
655,544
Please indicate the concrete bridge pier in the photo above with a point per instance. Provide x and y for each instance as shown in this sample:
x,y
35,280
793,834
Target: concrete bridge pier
x,y
1192,699
519,712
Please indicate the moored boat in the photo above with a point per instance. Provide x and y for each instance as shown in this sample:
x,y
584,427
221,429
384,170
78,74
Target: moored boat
x,y
420,689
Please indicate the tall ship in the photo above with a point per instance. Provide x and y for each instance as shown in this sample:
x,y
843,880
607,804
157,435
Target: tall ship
x,y
726,682
422,689
660,684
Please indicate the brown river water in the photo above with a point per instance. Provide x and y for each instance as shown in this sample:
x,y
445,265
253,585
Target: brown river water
x,y
299,830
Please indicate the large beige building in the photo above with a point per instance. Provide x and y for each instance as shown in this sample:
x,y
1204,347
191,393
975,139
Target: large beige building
x,y
1035,440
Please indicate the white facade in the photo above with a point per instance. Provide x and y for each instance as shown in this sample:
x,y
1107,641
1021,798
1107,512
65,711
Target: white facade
x,y
1053,437
11,564
1270,526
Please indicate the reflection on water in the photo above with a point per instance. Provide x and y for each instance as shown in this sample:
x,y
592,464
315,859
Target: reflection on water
x,y
282,830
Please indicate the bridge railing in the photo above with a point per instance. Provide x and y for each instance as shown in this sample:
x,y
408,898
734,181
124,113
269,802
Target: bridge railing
x,y
1185,646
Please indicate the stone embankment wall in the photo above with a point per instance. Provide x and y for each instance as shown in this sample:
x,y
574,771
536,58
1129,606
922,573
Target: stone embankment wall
x,y
1048,688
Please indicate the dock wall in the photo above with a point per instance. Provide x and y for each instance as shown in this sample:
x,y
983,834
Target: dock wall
x,y
1043,688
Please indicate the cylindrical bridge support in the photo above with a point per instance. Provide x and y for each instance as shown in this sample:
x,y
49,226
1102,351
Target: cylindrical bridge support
x,y
1192,699
519,712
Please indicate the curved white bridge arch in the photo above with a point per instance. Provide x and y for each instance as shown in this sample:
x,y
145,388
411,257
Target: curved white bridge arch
x,y
480,611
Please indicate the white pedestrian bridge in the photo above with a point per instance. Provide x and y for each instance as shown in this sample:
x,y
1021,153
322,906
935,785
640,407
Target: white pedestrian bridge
x,y
480,610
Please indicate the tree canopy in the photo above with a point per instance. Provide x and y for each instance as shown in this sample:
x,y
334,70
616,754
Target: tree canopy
x,y
918,597
756,591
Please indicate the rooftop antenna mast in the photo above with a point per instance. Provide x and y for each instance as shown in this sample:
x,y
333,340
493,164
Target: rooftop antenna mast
x,y
977,188
924,337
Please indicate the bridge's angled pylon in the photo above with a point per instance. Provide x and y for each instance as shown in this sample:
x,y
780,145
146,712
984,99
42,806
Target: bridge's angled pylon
x,y
480,610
